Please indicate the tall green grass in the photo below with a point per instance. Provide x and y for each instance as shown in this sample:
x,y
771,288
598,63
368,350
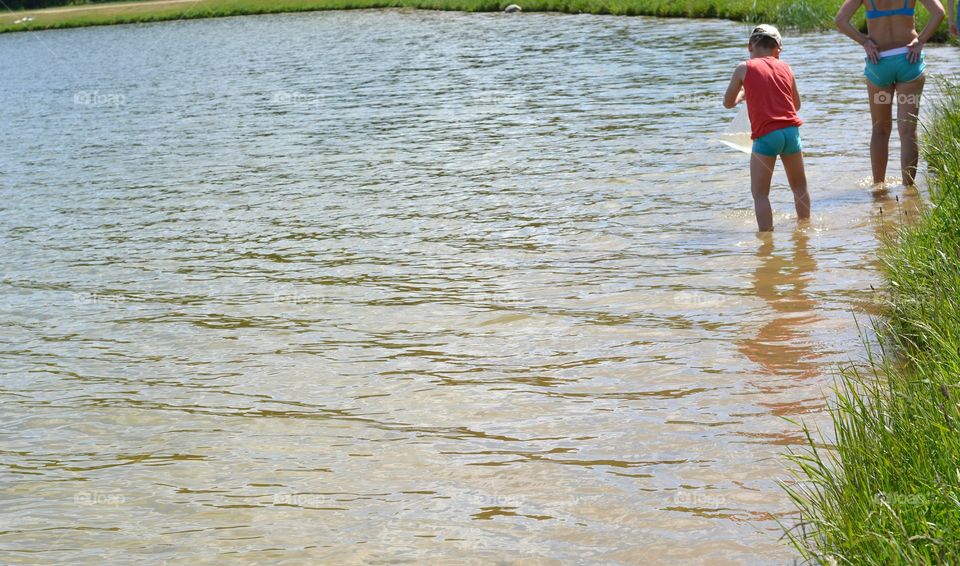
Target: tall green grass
x,y
888,490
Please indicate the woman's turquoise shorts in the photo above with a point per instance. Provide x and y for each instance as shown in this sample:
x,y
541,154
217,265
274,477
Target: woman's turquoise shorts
x,y
779,142
893,70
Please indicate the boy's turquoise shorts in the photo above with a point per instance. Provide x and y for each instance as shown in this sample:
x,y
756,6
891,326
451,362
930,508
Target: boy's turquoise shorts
x,y
894,70
779,142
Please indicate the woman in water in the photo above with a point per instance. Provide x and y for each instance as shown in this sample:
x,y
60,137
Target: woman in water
x,y
895,71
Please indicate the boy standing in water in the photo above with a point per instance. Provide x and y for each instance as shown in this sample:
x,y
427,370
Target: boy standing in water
x,y
768,86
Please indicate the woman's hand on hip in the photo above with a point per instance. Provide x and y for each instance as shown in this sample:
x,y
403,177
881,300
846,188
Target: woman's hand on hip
x,y
873,52
916,49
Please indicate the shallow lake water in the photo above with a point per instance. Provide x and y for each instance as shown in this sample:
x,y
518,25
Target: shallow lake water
x,y
398,286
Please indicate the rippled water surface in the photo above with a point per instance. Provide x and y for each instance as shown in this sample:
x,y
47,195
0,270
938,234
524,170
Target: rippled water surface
x,y
387,286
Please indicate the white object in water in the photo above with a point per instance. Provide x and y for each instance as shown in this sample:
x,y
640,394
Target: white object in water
x,y
737,134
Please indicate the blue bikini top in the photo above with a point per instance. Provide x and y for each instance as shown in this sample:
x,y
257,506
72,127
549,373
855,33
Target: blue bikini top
x,y
875,13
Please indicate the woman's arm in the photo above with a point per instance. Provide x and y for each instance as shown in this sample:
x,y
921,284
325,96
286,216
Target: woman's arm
x,y
734,93
936,18
846,27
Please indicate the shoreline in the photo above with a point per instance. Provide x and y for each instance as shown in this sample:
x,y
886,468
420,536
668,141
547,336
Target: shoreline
x,y
884,488
813,15
810,16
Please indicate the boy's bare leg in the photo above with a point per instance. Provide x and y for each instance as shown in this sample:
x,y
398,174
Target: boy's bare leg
x,y
881,112
797,177
908,108
761,175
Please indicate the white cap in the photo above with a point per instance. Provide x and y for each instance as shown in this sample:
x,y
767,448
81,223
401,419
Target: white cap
x,y
766,30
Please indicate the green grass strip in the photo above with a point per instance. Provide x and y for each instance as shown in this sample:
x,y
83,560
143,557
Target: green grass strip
x,y
888,490
798,15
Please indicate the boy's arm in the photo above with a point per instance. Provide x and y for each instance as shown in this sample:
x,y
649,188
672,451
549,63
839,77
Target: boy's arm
x,y
734,91
846,27
796,95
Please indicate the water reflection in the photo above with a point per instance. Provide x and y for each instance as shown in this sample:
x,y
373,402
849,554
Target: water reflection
x,y
782,346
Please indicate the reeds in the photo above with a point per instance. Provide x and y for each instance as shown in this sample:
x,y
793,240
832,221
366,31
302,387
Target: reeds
x,y
887,488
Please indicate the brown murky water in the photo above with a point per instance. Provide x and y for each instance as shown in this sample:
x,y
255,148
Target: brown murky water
x,y
413,287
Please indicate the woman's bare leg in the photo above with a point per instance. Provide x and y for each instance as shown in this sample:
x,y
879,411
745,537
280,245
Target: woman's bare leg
x,y
761,175
881,112
908,108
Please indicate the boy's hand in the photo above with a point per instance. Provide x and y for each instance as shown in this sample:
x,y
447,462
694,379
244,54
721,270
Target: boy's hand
x,y
873,52
735,94
916,48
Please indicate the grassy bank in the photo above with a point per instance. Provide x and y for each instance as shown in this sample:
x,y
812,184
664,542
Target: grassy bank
x,y
798,15
890,491
805,14
793,14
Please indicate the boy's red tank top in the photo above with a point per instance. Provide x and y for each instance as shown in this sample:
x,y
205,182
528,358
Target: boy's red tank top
x,y
769,92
